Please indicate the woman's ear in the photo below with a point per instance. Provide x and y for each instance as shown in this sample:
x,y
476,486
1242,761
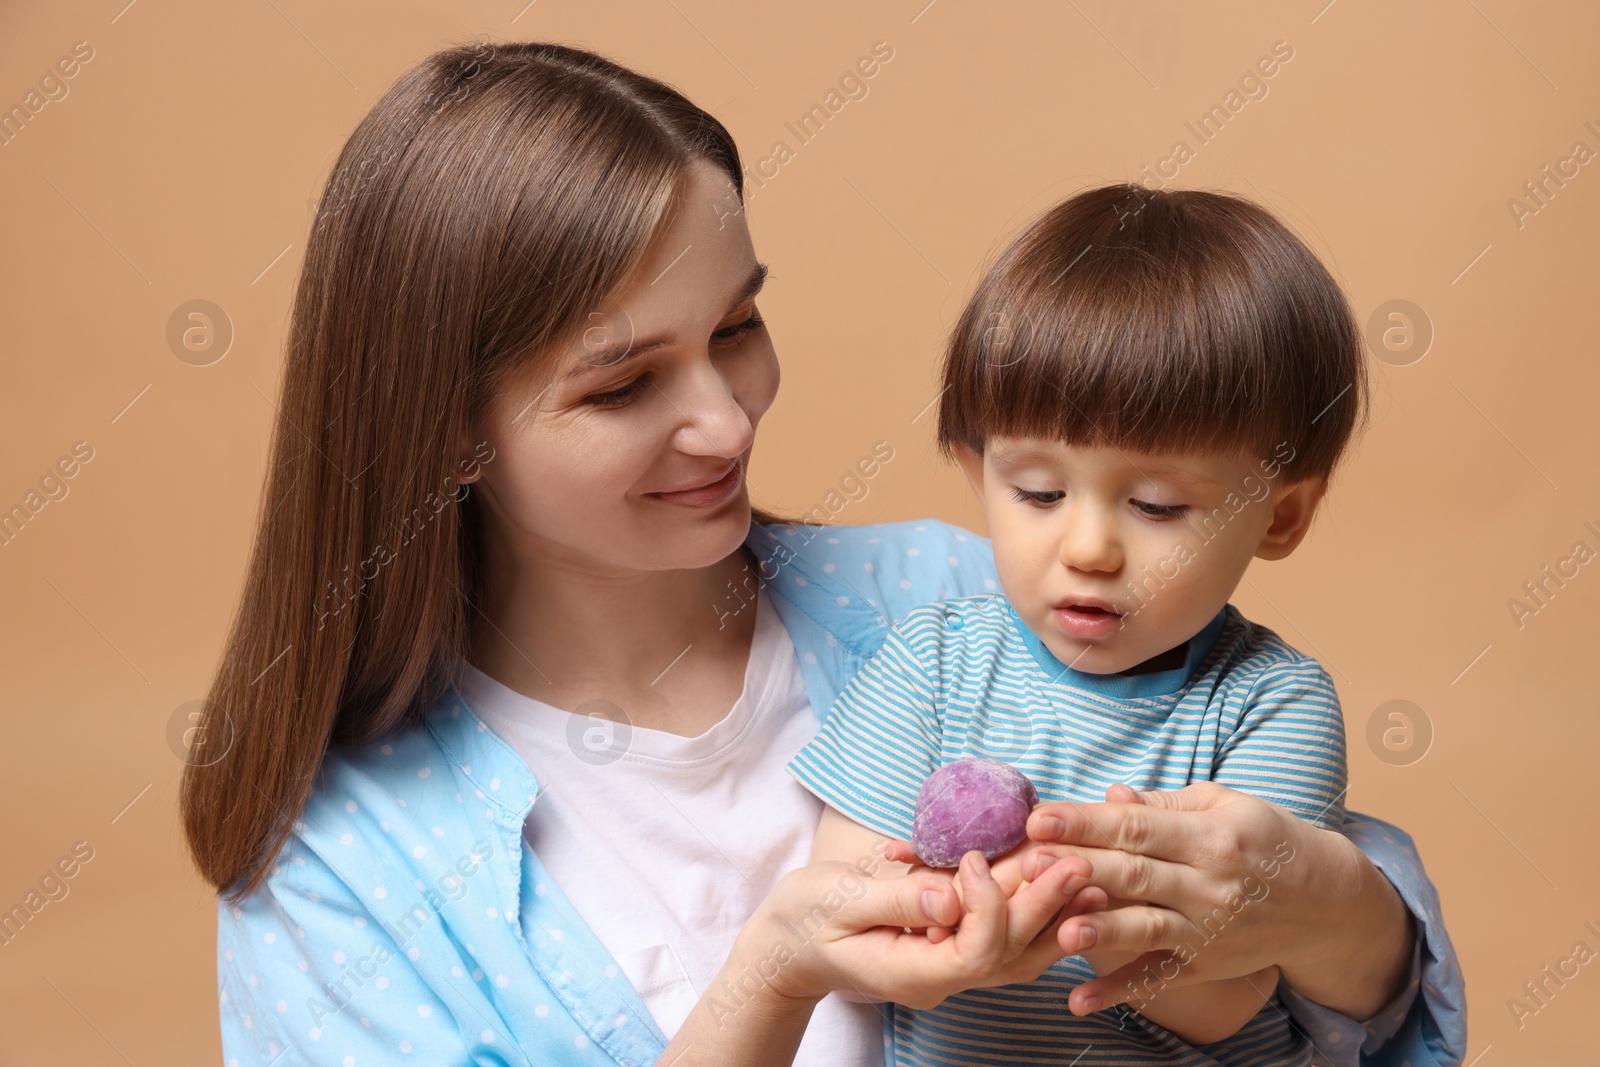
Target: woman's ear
x,y
469,465
1292,510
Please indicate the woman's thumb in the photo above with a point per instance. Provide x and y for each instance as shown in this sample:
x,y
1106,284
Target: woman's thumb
x,y
918,900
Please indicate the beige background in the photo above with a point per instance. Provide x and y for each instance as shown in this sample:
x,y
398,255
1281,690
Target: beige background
x,y
184,162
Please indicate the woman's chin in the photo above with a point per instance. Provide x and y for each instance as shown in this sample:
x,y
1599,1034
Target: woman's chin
x,y
700,540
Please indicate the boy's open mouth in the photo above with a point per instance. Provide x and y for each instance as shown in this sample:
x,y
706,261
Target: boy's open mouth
x,y
1086,618
1088,606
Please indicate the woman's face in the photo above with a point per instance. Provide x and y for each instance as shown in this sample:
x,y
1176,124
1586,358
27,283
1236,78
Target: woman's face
x,y
631,455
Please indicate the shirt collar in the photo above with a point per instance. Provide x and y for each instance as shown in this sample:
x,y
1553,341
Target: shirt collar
x,y
494,767
1115,686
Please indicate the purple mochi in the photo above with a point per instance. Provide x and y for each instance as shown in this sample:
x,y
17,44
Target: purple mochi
x,y
973,803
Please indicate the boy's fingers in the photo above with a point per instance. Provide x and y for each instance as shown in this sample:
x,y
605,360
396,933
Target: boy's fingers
x,y
1156,824
1089,899
901,852
1109,990
980,937
1125,875
1129,928
1038,903
1023,864
1120,793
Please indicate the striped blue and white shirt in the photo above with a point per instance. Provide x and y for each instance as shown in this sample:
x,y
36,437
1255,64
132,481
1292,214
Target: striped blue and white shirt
x,y
966,677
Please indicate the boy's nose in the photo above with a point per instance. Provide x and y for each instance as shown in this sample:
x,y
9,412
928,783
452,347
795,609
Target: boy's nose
x,y
1090,543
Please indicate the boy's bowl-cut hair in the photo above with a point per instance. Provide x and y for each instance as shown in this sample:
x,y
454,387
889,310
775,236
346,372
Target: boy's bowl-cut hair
x,y
1158,321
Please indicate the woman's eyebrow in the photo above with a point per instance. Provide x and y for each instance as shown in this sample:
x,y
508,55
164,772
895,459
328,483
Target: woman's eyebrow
x,y
621,351
752,286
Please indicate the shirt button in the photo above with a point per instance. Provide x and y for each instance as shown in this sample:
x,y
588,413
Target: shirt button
x,y
953,621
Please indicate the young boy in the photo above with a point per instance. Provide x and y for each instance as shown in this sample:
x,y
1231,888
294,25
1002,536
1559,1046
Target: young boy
x,y
1147,391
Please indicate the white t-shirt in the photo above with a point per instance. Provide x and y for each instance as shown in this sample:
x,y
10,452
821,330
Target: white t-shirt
x,y
668,848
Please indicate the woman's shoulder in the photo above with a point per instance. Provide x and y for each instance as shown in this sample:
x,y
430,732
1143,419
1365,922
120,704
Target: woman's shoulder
x,y
427,796
397,851
449,768
922,535
893,566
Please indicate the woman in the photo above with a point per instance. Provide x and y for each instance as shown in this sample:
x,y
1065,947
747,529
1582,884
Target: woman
x,y
530,282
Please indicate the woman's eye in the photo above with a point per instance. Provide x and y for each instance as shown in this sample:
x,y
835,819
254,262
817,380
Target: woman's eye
x,y
738,330
619,396
1043,497
1159,511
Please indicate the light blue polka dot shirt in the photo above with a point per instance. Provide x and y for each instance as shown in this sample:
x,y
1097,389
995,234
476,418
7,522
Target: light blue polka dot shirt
x,y
406,921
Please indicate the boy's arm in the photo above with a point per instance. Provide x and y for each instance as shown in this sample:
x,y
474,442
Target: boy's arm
x,y
877,743
840,837
1197,1014
1288,747
881,738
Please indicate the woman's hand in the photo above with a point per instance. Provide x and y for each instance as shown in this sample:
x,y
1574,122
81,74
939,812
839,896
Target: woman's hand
x,y
1210,883
1007,871
831,926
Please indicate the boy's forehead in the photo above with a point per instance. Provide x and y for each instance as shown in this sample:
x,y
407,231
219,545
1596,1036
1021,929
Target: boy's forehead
x,y
1198,468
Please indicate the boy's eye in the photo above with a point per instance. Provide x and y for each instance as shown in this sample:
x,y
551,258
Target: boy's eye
x,y
1159,511
739,329
1043,497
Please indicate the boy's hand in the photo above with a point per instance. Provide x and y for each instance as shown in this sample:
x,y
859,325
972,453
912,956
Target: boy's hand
x,y
1006,870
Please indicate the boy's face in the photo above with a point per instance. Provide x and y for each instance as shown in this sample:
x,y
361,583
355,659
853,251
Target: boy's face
x,y
1113,557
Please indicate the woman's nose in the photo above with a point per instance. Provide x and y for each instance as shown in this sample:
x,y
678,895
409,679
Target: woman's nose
x,y
1090,541
715,422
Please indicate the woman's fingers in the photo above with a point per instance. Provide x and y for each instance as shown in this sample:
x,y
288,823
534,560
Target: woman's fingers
x,y
920,899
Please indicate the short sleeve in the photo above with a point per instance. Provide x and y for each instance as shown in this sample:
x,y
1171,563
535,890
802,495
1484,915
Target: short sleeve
x,y
1288,744
307,976
881,738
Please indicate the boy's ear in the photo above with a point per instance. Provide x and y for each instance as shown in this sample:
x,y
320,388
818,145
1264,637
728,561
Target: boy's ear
x,y
972,464
1291,517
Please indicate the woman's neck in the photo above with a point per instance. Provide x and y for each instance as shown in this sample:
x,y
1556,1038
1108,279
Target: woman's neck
x,y
658,644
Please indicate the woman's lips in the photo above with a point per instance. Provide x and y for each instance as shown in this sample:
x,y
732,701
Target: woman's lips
x,y
1086,618
705,495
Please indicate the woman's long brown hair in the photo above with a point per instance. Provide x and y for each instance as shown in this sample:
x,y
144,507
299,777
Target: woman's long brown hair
x,y
488,202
